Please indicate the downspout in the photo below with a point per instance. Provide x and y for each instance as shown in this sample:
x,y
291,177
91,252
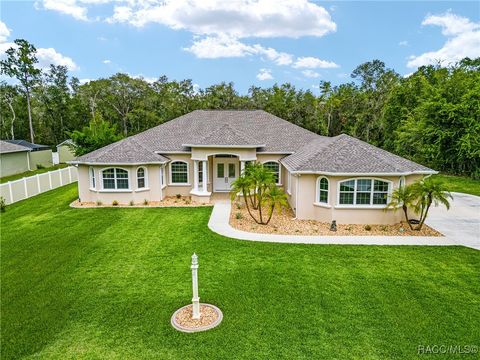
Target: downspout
x,y
28,160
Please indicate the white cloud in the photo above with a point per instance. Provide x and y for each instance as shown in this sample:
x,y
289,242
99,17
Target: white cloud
x,y
45,56
4,32
403,43
463,40
310,74
310,62
84,81
67,7
237,18
106,61
265,74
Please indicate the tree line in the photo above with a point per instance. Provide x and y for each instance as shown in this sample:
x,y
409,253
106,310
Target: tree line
x,y
431,116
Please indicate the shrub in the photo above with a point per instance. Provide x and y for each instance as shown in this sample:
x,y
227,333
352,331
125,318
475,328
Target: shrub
x,y
367,227
115,203
239,206
145,202
3,205
188,201
99,203
383,228
238,216
178,196
131,203
40,166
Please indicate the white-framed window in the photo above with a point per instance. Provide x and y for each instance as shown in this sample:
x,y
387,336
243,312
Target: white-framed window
x,y
179,172
200,172
115,179
162,176
322,190
364,192
274,167
91,172
401,182
142,181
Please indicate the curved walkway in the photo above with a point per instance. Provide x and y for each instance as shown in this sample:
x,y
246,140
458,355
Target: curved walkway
x,y
461,226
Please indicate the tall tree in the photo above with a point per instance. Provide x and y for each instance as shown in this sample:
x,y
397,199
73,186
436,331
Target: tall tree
x,y
20,64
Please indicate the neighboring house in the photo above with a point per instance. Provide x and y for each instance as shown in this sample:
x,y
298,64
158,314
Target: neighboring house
x,y
14,159
203,152
65,151
39,154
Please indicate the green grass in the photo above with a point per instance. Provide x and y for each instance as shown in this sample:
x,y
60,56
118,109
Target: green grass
x,y
460,184
31,173
103,284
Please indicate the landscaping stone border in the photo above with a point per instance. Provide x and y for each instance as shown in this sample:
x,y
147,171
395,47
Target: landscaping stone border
x,y
181,328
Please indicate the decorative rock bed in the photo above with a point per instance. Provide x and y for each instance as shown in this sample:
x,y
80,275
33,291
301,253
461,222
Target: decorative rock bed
x,y
285,223
210,317
169,201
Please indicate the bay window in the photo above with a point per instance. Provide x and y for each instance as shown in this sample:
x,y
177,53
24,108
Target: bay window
x,y
363,192
115,179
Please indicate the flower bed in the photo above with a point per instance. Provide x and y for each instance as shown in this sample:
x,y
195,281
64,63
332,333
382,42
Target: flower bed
x,y
285,223
169,201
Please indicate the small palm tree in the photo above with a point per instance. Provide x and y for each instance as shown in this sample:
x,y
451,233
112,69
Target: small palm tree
x,y
402,197
243,185
428,192
275,198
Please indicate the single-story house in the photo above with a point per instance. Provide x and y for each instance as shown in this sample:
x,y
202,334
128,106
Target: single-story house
x,y
198,154
65,151
39,154
14,159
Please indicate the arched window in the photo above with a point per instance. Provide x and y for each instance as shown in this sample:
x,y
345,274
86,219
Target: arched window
x,y
274,167
141,178
92,177
322,190
363,192
115,178
179,172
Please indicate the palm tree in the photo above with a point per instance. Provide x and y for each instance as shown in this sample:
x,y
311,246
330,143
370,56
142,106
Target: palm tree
x,y
402,197
275,197
428,192
243,185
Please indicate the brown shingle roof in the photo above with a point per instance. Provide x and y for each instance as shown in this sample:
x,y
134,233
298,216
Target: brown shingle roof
x,y
346,154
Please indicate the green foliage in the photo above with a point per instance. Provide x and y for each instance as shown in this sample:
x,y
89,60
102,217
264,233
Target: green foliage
x,y
367,227
3,204
115,203
259,191
97,134
431,116
238,216
402,197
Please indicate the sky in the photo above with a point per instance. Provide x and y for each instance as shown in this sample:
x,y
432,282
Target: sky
x,y
249,42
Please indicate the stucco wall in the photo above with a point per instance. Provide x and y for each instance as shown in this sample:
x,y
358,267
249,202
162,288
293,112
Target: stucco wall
x,y
151,193
43,157
65,154
307,209
203,153
13,163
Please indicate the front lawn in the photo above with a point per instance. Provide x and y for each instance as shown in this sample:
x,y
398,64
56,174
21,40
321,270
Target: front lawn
x,y
460,184
103,283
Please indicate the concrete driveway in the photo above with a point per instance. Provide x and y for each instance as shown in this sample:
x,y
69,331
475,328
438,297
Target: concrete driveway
x,y
461,223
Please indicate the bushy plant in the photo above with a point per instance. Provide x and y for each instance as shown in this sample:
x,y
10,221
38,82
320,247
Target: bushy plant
x,y
115,203
145,202
99,203
367,227
3,204
40,166
178,196
238,216
131,203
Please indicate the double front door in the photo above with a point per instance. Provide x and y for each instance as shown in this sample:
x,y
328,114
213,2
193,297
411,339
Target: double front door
x,y
225,172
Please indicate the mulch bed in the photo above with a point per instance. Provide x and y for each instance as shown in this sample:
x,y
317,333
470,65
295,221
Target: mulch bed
x,y
169,201
285,224
208,315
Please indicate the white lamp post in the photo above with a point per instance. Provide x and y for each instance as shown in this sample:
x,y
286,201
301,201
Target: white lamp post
x,y
195,299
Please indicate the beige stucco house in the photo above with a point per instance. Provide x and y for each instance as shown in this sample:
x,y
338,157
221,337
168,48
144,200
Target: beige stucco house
x,y
201,153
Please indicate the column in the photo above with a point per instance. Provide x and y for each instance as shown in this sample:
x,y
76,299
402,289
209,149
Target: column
x,y
195,175
195,298
204,175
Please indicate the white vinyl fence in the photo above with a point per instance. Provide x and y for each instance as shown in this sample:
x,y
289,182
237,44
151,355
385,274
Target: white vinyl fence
x,y
26,187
